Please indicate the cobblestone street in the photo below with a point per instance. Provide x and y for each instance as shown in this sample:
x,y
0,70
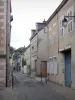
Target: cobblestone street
x,y
27,88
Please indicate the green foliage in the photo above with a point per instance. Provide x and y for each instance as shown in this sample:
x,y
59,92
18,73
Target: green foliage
x,y
23,62
15,56
12,50
21,50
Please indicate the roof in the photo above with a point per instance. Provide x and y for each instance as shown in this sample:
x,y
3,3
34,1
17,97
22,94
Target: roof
x,y
27,46
33,36
50,18
57,10
41,22
38,30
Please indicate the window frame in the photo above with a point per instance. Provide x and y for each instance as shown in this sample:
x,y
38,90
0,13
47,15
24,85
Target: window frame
x,y
69,22
52,67
61,27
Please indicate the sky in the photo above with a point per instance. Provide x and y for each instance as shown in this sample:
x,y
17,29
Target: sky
x,y
25,15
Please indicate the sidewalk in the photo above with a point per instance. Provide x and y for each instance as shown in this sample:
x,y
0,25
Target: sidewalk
x,y
40,79
6,94
69,93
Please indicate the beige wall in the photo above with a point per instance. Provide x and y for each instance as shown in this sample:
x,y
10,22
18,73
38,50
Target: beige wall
x,y
2,72
53,36
33,52
2,36
53,46
38,65
66,40
43,45
34,44
42,49
27,56
2,44
3,32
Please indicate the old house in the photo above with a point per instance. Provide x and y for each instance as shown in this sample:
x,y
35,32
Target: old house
x,y
42,51
5,30
33,51
27,59
38,50
61,64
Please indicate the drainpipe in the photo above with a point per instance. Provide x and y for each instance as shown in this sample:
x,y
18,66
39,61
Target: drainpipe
x,y
58,44
48,47
6,9
37,49
30,57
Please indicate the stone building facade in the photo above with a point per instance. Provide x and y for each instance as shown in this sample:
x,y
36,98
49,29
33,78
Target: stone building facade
x,y
5,30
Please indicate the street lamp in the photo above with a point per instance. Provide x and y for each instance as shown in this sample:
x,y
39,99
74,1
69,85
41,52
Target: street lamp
x,y
65,21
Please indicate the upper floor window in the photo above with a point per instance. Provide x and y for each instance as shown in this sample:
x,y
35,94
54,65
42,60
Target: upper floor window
x,y
54,24
70,21
50,29
44,30
61,27
32,48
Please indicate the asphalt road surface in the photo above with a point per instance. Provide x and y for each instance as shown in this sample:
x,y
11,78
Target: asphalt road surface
x,y
27,88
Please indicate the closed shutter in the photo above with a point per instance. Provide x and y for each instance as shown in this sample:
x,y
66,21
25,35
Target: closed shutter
x,y
55,66
48,67
51,66
70,21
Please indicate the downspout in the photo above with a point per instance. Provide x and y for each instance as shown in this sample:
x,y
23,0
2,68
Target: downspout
x,y
37,49
6,11
30,58
58,43
48,47
48,40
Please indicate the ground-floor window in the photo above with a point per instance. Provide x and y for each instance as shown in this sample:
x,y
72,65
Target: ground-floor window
x,y
52,66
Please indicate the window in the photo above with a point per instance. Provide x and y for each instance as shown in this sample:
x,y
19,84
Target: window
x,y
50,29
52,66
54,24
61,27
52,38
48,67
32,48
55,65
70,21
44,30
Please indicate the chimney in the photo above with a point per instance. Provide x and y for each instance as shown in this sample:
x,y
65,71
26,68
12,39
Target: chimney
x,y
33,32
40,26
44,21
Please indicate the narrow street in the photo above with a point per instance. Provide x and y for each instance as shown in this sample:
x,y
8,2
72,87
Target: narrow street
x,y
27,88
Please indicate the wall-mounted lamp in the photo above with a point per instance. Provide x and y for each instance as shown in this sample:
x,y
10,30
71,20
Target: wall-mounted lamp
x,y
65,21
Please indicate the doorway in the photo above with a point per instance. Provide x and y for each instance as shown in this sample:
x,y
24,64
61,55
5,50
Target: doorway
x,y
68,68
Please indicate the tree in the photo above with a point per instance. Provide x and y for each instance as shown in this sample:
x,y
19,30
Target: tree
x,y
12,50
21,50
23,62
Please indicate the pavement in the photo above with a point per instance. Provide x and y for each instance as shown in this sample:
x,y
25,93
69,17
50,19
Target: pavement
x,y
29,88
